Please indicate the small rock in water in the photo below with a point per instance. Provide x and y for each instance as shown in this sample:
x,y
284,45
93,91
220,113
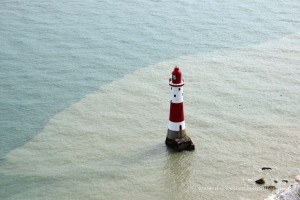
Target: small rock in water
x,y
297,178
266,168
275,181
260,181
285,181
270,187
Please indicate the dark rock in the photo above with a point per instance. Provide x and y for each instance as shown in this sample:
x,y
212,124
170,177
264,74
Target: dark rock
x,y
266,168
260,181
181,144
275,181
191,147
285,181
270,187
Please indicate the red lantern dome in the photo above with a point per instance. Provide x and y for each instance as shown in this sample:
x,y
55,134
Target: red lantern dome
x,y
176,75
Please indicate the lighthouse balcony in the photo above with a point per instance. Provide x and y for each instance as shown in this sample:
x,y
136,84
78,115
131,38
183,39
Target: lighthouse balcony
x,y
176,85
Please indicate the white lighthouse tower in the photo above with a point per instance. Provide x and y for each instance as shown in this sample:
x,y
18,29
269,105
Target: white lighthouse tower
x,y
176,136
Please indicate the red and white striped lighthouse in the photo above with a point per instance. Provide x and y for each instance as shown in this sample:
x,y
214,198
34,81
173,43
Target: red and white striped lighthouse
x,y
176,136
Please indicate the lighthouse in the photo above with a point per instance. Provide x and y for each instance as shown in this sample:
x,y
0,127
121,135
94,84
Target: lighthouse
x,y
176,136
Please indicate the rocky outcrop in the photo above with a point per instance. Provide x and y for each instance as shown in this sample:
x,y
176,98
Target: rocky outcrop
x,y
181,144
260,181
266,168
291,193
297,178
270,187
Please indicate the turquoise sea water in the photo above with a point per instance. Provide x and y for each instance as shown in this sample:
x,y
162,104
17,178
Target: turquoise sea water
x,y
61,61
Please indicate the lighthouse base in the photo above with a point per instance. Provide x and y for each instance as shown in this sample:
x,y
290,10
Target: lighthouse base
x,y
181,144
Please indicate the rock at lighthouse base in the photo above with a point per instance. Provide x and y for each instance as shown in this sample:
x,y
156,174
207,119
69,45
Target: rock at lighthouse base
x,y
181,144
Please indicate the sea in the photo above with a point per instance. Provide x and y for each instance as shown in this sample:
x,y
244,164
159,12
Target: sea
x,y
84,98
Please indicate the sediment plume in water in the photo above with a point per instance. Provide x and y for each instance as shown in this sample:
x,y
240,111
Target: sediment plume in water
x,y
241,109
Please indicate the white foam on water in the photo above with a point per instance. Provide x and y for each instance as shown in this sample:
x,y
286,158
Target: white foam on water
x,y
291,193
241,110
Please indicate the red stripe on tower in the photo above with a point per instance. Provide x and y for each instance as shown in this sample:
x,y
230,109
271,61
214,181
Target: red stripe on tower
x,y
176,112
